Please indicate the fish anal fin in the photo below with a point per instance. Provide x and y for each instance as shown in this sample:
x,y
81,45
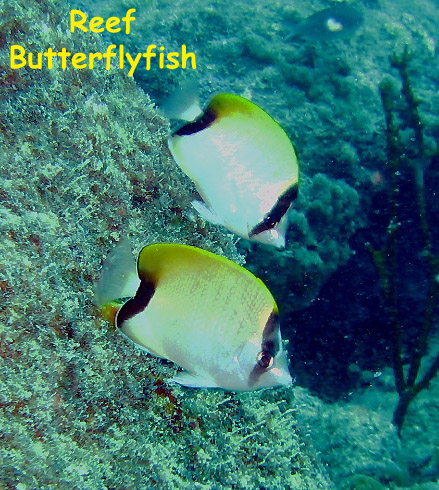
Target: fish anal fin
x,y
194,380
207,213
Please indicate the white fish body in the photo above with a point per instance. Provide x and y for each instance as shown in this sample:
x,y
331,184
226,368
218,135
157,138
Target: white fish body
x,y
208,315
243,165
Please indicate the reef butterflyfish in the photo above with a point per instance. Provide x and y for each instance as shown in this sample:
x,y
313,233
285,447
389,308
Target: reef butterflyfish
x,y
242,162
338,21
208,315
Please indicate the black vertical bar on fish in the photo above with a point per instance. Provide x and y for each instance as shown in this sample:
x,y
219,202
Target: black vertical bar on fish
x,y
137,304
276,213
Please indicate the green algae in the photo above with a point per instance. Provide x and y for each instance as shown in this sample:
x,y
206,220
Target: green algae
x,y
83,163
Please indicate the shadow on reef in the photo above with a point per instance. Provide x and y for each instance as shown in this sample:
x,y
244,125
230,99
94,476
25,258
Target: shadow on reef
x,y
346,323
343,326
407,160
381,308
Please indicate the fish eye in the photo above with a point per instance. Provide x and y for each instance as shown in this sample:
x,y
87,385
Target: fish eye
x,y
265,359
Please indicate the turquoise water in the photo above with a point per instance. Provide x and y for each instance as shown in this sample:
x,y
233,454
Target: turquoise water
x,y
84,162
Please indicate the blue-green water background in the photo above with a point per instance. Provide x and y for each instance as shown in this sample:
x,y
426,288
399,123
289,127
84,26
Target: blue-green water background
x,y
84,162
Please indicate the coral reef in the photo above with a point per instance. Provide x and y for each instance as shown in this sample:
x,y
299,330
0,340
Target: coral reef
x,y
407,163
83,163
323,218
324,94
359,444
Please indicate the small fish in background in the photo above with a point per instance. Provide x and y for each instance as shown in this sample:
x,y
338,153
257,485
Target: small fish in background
x,y
242,162
335,22
201,311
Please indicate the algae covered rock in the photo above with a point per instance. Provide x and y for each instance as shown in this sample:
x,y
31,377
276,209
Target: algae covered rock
x,y
363,482
83,162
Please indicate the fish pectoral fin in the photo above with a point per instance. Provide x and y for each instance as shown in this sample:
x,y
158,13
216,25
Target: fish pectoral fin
x,y
207,213
194,380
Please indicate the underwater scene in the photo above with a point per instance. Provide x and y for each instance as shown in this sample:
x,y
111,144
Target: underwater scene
x,y
219,254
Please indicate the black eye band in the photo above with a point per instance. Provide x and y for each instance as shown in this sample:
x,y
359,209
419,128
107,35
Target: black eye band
x,y
269,349
278,210
270,335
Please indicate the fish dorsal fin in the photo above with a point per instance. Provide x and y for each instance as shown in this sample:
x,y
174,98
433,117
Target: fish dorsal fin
x,y
118,276
223,105
160,259
184,103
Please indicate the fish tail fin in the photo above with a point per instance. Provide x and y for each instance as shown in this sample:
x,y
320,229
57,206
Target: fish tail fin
x,y
184,103
119,279
110,310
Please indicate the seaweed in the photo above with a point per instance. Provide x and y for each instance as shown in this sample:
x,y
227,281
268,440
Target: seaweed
x,y
406,162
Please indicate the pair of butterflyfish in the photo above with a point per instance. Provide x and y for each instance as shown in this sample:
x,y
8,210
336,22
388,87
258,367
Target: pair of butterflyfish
x,y
205,313
241,161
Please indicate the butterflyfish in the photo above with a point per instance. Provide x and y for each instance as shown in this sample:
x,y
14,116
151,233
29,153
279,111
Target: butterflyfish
x,y
243,164
208,315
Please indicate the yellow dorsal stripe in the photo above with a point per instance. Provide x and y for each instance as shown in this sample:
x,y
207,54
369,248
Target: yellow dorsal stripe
x,y
159,258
